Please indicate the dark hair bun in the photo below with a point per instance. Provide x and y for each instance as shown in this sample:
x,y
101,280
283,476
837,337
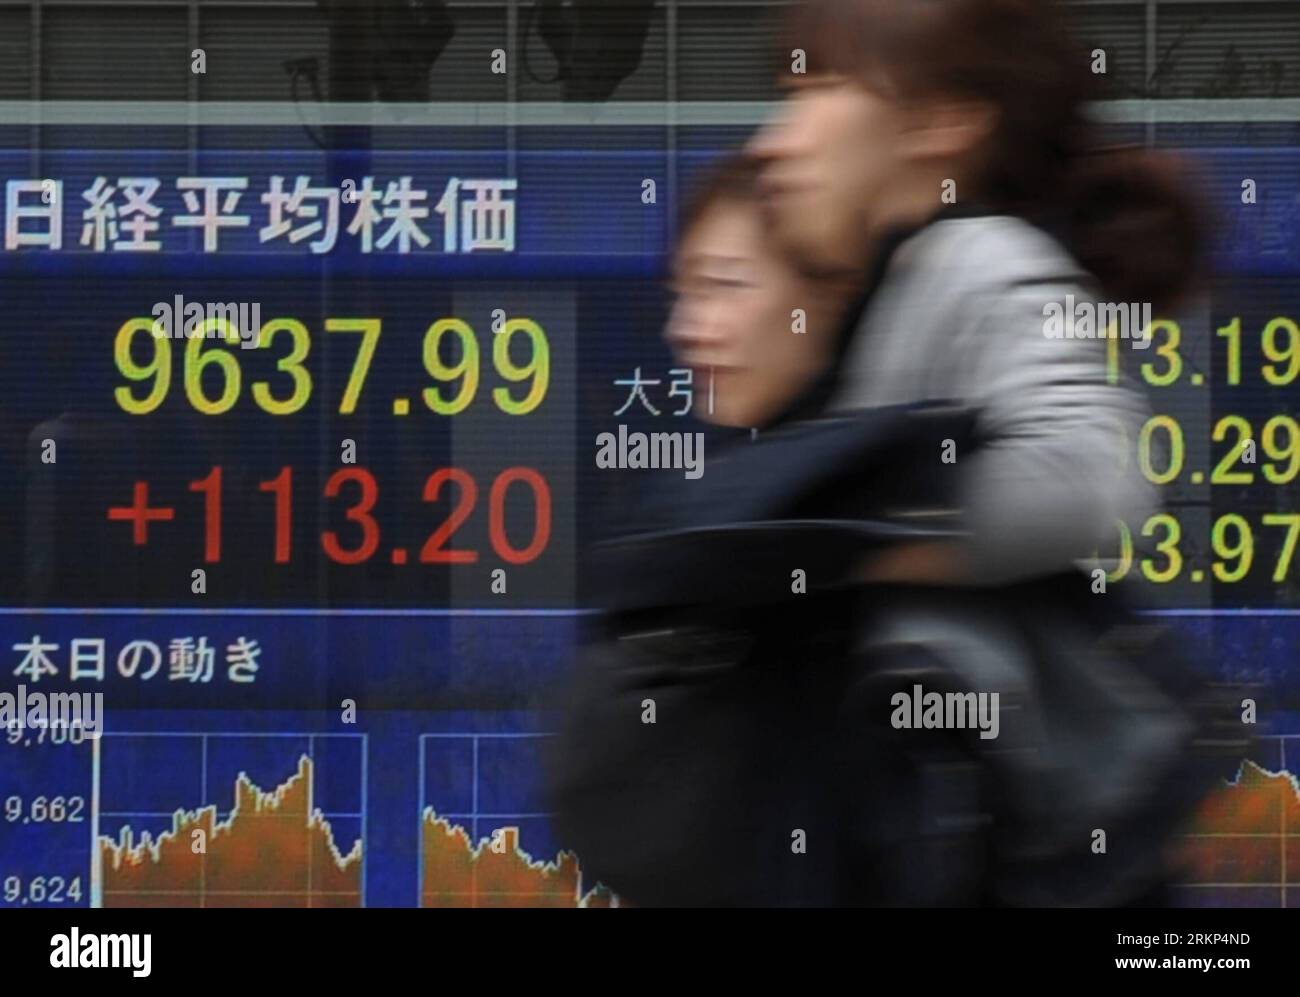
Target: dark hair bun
x,y
1135,224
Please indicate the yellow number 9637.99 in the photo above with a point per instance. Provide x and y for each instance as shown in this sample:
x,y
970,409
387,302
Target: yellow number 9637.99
x,y
212,375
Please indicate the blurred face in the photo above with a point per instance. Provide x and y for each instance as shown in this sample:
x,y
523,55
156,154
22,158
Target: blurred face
x,y
833,158
732,323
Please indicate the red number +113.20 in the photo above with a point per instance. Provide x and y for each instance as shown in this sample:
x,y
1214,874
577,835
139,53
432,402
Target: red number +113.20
x,y
434,551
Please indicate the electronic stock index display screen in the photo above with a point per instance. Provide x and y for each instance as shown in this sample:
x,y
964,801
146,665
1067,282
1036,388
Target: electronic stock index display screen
x,y
321,561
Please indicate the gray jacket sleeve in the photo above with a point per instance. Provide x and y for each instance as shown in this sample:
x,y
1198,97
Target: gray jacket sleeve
x,y
960,316
1059,465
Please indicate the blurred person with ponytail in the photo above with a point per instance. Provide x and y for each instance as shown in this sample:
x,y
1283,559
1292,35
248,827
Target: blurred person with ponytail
x,y
984,100
943,146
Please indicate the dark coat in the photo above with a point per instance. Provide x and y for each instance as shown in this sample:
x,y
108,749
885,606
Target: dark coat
x,y
771,772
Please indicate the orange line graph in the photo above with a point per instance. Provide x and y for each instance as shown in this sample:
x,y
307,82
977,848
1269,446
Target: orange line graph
x,y
497,872
275,849
1247,833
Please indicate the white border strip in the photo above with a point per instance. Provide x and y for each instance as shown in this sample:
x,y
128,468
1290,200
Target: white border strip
x,y
467,115
549,114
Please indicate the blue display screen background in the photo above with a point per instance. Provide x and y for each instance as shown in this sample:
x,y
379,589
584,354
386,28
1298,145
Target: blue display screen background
x,y
447,676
